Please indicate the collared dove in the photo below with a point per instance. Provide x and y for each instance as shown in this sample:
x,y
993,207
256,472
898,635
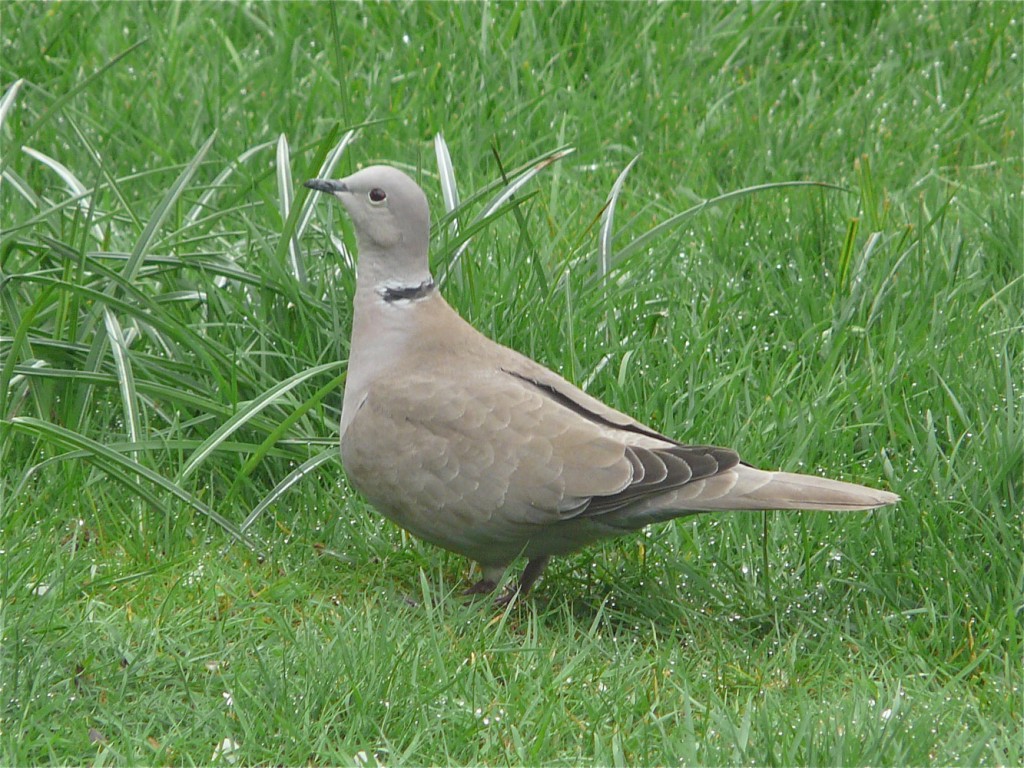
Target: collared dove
x,y
478,449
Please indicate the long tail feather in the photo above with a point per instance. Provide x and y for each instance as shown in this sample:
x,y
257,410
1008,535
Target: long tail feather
x,y
786,490
744,487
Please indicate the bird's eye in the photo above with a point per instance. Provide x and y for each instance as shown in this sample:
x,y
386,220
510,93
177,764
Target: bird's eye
x,y
378,195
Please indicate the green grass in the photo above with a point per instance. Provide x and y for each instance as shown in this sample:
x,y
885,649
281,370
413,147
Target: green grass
x,y
181,561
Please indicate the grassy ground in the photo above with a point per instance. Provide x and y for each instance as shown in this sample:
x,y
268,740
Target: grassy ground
x,y
174,329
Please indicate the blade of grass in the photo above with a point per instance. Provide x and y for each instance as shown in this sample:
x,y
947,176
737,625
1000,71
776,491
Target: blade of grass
x,y
604,247
246,414
113,184
157,444
673,221
69,178
449,187
282,429
288,242
125,377
508,191
68,95
8,99
129,272
326,161
21,339
146,312
289,480
202,205
123,469
163,208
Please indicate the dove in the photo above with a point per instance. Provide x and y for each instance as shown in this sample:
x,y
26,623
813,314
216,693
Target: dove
x,y
476,448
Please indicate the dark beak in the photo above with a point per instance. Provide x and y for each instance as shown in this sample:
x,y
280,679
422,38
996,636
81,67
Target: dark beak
x,y
326,185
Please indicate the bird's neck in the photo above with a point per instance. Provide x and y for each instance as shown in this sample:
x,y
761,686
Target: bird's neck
x,y
394,270
391,317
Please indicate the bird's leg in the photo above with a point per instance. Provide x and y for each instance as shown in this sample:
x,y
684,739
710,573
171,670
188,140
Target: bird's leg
x,y
534,568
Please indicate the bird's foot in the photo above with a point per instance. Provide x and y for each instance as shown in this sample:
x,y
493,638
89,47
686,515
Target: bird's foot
x,y
534,568
482,587
509,594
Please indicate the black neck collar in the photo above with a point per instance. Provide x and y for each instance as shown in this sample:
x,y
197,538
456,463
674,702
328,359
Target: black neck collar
x,y
408,292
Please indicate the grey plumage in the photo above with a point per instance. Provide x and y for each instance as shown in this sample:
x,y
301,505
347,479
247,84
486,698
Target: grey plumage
x,y
475,448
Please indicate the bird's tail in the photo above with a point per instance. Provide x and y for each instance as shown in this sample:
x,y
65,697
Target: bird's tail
x,y
787,490
743,487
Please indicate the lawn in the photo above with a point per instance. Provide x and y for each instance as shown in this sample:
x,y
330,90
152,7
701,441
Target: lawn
x,y
791,229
